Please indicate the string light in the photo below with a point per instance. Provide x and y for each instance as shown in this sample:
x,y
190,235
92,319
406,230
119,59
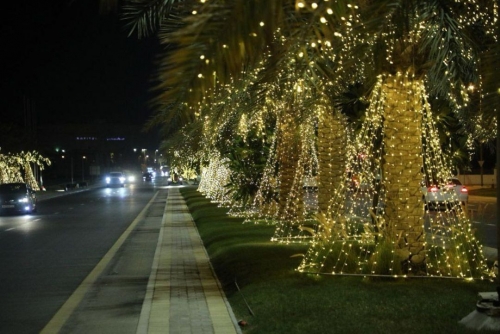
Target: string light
x,y
16,167
379,227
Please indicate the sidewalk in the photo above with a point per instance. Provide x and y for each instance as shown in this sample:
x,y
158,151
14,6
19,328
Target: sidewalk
x,y
183,294
158,280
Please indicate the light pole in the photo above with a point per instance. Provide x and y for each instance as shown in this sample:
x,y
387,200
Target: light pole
x,y
72,169
83,169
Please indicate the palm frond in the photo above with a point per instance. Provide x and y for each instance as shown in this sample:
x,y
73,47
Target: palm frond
x,y
145,17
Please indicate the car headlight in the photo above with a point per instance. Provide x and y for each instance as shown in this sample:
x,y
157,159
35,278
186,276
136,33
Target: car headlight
x,y
108,179
180,178
122,179
23,200
131,178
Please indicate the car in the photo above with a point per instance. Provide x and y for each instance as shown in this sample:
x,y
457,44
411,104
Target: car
x,y
115,179
453,192
17,197
147,176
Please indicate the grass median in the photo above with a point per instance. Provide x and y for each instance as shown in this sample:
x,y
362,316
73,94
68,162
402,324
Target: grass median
x,y
274,298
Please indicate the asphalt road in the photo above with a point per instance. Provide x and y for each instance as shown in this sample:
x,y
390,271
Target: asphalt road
x,y
483,215
482,212
45,256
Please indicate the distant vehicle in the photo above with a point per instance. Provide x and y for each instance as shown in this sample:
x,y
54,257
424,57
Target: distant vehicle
x,y
452,193
152,171
164,171
17,197
310,182
148,176
131,178
115,179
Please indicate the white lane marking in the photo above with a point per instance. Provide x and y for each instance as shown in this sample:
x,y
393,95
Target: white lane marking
x,y
57,322
10,229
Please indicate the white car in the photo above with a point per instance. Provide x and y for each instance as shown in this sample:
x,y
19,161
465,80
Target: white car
x,y
450,194
115,179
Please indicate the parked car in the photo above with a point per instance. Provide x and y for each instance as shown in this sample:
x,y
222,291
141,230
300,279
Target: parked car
x,y
17,197
452,193
115,179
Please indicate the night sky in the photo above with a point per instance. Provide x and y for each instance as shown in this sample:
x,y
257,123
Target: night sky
x,y
72,64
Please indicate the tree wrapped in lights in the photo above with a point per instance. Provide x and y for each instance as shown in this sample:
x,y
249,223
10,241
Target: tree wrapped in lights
x,y
415,48
214,177
408,38
18,167
366,240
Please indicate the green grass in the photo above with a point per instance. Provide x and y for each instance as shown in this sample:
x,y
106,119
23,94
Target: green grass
x,y
488,192
285,301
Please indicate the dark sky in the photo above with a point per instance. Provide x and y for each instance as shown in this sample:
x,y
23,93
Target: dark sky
x,y
73,64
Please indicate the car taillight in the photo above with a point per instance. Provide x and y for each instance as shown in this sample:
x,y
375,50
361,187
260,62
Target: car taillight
x,y
432,189
463,190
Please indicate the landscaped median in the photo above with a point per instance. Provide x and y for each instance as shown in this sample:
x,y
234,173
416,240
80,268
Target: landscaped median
x,y
275,298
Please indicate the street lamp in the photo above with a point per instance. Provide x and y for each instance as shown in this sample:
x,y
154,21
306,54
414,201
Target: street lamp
x,y
83,169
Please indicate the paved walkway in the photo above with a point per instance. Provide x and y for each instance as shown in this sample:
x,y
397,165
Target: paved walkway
x,y
183,295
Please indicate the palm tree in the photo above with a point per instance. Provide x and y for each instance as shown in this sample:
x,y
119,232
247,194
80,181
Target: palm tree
x,y
199,65
416,48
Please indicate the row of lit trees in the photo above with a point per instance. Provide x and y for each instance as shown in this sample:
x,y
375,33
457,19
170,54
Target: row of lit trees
x,y
279,70
19,167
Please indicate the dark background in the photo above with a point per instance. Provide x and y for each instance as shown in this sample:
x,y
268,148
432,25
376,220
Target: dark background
x,y
64,62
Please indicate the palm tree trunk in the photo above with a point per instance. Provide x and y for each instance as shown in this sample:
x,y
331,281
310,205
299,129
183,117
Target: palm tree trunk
x,y
401,168
291,201
331,158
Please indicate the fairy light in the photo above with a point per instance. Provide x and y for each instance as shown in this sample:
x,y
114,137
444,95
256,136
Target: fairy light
x,y
347,236
449,234
16,167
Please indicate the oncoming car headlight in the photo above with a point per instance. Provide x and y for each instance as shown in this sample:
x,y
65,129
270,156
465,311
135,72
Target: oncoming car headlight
x,y
108,179
122,179
23,200
131,178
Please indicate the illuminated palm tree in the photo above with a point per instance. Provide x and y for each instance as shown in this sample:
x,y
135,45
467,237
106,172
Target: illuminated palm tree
x,y
212,49
416,48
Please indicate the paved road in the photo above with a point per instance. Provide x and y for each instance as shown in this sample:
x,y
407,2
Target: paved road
x,y
483,214
44,257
